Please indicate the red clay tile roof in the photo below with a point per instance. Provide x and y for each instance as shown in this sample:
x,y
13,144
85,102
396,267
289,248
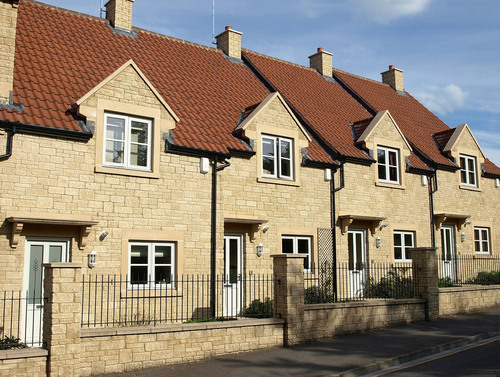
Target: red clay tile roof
x,y
324,105
491,168
416,122
62,55
443,137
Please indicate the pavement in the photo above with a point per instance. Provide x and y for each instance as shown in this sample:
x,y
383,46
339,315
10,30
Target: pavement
x,y
349,355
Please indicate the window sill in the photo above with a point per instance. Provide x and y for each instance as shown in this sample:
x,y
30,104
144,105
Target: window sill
x,y
278,181
482,255
396,186
126,172
469,188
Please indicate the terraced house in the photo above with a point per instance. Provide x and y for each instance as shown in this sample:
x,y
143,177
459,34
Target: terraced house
x,y
141,155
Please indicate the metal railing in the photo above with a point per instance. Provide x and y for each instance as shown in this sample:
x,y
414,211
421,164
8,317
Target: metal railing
x,y
114,300
348,282
21,319
469,270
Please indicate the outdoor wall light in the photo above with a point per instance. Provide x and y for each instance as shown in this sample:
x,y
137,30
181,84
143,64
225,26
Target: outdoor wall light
x,y
92,259
328,175
423,180
378,242
260,249
204,165
462,237
104,234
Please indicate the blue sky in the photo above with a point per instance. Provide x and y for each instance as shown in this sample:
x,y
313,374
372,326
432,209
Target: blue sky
x,y
449,49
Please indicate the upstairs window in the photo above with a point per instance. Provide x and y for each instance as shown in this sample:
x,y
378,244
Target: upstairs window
x,y
298,245
388,165
403,241
127,142
277,157
468,175
482,240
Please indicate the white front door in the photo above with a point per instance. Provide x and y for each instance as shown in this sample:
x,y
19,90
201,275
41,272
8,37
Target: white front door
x,y
38,252
357,262
448,251
233,271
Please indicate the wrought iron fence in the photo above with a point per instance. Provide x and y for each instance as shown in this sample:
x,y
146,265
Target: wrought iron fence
x,y
348,282
469,270
115,300
21,317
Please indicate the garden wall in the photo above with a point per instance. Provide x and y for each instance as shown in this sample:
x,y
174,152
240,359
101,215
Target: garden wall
x,y
329,320
467,299
24,362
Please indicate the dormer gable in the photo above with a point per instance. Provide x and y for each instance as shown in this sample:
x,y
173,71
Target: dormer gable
x,y
278,139
130,66
388,146
128,116
274,102
462,137
383,125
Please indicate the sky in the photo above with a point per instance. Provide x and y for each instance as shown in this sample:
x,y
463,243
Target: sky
x,y
449,50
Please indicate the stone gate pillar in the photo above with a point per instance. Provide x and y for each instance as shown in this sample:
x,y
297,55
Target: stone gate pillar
x,y
61,318
425,276
289,295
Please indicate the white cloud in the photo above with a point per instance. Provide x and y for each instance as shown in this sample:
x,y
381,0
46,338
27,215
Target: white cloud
x,y
385,11
442,100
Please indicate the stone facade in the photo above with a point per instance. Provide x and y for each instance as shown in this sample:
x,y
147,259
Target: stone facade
x,y
230,42
468,299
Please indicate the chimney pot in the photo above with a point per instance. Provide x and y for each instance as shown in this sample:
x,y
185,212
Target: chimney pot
x,y
320,49
391,66
229,28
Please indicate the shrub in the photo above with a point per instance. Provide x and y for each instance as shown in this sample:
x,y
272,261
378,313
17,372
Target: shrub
x,y
260,309
486,278
11,343
395,285
317,295
445,282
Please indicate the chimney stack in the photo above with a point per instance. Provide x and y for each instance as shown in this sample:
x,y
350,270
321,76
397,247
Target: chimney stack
x,y
393,77
119,14
322,62
8,24
229,41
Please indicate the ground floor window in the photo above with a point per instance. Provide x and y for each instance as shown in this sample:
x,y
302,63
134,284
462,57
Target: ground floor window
x,y
298,245
482,240
403,241
151,262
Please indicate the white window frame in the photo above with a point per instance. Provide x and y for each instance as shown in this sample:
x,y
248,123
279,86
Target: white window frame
x,y
387,166
277,142
402,234
151,263
481,240
295,239
464,170
127,141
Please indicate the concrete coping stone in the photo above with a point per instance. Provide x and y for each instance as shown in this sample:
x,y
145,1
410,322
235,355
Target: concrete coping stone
x,y
469,288
24,353
365,303
140,330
